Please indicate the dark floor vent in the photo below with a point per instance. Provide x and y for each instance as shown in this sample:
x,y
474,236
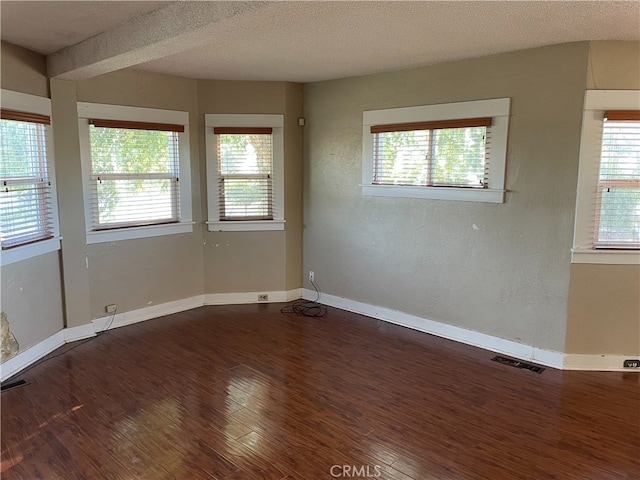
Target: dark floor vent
x,y
11,385
517,364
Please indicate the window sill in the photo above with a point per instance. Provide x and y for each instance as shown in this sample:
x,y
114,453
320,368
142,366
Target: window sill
x,y
605,257
245,226
130,233
436,193
31,250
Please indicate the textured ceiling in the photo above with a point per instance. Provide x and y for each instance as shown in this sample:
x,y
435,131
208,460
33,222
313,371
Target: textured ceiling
x,y
318,40
48,26
310,41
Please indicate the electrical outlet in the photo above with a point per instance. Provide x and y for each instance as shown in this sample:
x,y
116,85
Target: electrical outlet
x,y
110,308
311,276
263,297
631,364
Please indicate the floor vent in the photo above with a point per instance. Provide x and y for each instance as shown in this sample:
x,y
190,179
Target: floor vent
x,y
11,385
517,364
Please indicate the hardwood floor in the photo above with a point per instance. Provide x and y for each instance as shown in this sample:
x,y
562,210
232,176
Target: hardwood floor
x,y
244,392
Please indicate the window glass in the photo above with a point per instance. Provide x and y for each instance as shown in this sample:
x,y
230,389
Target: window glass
x,y
134,176
245,175
26,214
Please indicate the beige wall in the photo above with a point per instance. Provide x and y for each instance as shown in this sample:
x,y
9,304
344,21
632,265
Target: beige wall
x,y
70,203
604,310
509,277
293,185
614,66
603,315
137,273
31,298
23,70
256,261
30,291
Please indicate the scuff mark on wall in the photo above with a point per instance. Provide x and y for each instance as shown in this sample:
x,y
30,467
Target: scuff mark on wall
x,y
8,344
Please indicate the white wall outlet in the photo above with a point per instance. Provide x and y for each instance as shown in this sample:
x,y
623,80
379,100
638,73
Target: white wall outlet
x,y
263,297
110,308
312,276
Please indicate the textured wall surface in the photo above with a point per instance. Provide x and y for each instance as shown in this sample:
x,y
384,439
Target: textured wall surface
x,y
30,291
293,184
23,71
604,300
147,271
32,299
256,261
506,277
75,266
604,310
501,269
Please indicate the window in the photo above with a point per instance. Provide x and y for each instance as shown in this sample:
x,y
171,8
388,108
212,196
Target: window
x,y
608,203
245,165
452,151
245,169
618,197
28,214
134,167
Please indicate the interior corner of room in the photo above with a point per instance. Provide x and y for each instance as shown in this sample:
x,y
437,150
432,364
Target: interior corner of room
x,y
498,276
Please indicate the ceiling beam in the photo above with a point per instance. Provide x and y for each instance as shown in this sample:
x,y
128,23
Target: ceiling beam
x,y
166,31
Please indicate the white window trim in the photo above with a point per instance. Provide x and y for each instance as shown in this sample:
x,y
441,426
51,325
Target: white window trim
x,y
497,108
596,102
276,122
136,114
41,105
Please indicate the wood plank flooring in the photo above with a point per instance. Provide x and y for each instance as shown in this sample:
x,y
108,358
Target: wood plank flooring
x,y
246,393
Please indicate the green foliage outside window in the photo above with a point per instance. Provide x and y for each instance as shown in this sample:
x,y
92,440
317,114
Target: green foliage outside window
x,y
245,171
451,156
132,167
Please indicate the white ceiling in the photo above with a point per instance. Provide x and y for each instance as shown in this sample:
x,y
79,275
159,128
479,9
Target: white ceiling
x,y
306,41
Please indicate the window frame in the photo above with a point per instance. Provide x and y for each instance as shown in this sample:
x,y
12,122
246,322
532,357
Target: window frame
x,y
87,111
276,123
498,109
42,106
596,103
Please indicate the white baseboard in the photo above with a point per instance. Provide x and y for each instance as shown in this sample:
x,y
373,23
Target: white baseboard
x,y
294,294
31,355
550,358
147,313
251,297
488,342
72,334
607,363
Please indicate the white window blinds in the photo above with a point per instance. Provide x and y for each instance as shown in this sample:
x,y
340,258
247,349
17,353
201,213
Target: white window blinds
x,y
134,173
26,214
245,173
618,197
452,153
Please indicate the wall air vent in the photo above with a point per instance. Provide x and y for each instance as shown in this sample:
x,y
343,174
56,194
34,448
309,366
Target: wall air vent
x,y
11,385
517,364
